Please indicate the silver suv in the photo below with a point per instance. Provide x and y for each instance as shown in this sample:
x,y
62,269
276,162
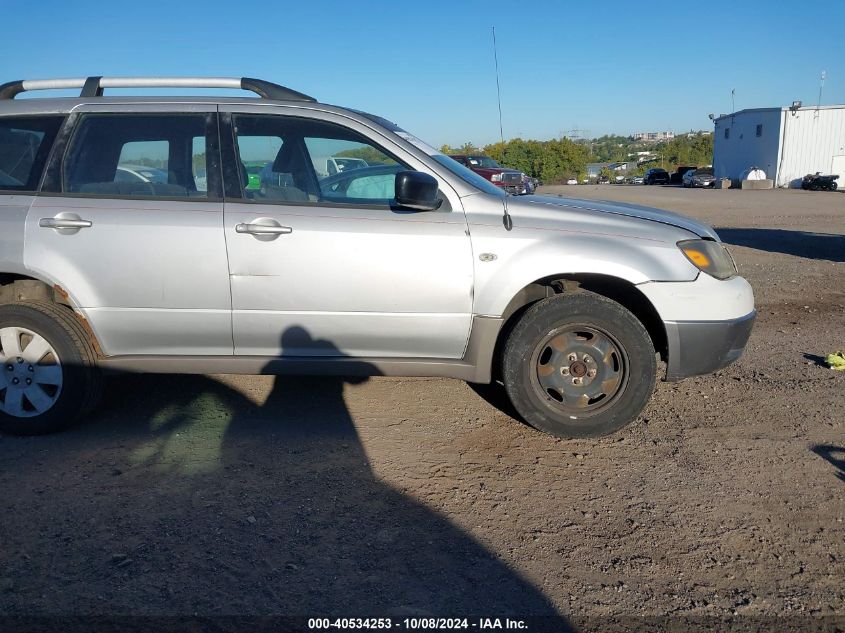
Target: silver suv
x,y
194,235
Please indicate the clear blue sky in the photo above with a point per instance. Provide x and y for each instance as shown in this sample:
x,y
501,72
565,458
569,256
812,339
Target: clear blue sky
x,y
599,66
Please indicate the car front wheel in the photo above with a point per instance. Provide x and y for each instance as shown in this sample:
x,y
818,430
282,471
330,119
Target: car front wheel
x,y
579,365
48,373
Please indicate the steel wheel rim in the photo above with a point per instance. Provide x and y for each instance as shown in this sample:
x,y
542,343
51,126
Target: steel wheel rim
x,y
31,374
579,370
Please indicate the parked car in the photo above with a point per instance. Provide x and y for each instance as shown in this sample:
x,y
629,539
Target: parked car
x,y
699,178
528,183
332,165
656,176
677,176
416,266
511,180
138,173
637,180
602,180
253,173
572,181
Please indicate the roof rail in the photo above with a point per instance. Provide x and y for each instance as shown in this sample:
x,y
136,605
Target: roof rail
x,y
93,86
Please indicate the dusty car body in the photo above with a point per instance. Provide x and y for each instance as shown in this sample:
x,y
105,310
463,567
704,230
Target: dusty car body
x,y
411,266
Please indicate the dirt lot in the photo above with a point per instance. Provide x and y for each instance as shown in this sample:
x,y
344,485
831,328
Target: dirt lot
x,y
247,495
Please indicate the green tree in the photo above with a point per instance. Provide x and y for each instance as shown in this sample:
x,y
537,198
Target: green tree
x,y
369,154
694,150
552,161
467,148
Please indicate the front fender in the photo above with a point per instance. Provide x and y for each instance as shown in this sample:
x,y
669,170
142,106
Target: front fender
x,y
507,261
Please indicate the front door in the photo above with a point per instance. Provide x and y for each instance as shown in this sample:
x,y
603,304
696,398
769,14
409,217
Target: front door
x,y
130,224
322,264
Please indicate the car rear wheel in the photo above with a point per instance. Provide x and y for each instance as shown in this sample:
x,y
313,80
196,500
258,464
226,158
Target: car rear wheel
x,y
48,373
579,365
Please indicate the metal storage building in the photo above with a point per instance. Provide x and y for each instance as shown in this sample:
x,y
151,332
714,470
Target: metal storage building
x,y
786,143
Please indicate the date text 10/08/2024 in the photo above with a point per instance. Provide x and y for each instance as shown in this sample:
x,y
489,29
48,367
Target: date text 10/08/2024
x,y
417,623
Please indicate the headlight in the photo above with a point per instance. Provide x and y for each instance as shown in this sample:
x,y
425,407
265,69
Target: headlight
x,y
711,257
496,177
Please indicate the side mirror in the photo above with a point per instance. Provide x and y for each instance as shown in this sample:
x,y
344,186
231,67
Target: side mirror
x,y
417,190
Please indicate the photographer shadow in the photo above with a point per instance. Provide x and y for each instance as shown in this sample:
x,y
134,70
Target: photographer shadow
x,y
834,455
333,538
190,498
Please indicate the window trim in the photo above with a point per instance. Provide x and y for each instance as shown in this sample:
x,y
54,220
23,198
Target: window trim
x,y
53,182
46,154
231,158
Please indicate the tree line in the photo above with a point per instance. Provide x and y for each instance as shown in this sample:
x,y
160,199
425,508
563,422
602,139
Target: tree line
x,y
560,159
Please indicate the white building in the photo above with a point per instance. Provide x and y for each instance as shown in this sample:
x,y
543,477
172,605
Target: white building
x,y
653,137
786,143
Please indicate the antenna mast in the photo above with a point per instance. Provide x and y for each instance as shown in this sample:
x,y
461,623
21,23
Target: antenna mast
x,y
498,89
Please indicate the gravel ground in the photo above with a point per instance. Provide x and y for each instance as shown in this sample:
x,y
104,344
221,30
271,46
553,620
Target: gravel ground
x,y
233,495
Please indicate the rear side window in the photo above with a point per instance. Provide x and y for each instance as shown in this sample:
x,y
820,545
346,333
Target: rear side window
x,y
25,143
161,156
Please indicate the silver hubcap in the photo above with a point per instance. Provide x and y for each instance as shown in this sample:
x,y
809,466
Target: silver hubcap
x,y
30,373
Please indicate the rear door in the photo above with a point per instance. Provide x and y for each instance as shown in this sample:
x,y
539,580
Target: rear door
x,y
323,264
25,143
130,224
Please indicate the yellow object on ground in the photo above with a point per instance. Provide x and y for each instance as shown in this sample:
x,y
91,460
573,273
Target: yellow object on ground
x,y
836,361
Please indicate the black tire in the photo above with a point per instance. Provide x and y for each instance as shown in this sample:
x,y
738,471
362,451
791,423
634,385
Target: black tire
x,y
625,374
833,186
81,382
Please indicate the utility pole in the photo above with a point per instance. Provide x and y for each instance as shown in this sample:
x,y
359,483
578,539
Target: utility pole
x,y
821,87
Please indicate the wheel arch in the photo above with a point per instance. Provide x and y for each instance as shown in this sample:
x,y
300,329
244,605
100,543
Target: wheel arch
x,y
18,287
620,290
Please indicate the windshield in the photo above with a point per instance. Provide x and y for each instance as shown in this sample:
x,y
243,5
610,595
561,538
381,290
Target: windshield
x,y
483,161
452,165
468,175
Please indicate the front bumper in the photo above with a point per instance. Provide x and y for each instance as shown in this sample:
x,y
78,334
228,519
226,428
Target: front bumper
x,y
514,190
702,347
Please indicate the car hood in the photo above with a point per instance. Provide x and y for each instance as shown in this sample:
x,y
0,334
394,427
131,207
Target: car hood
x,y
495,170
539,204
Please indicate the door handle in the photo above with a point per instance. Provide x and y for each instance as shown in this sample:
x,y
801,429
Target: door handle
x,y
262,229
63,223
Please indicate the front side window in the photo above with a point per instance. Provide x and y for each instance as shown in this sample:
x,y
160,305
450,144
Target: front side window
x,y
285,159
137,155
25,143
